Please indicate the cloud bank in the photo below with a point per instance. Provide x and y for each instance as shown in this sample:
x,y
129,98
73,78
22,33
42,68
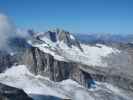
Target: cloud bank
x,y
7,30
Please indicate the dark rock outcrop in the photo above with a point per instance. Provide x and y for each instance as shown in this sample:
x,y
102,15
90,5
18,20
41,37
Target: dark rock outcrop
x,y
42,63
6,60
11,93
66,37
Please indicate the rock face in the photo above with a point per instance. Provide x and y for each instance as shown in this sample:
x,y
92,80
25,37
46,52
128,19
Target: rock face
x,y
68,39
42,63
11,93
6,60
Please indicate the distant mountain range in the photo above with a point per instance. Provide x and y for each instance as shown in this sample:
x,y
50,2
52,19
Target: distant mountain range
x,y
104,38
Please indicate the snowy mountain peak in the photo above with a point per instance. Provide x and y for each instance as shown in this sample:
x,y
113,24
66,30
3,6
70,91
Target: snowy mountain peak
x,y
58,36
63,46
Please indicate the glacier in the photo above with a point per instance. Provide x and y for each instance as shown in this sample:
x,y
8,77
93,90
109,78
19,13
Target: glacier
x,y
20,77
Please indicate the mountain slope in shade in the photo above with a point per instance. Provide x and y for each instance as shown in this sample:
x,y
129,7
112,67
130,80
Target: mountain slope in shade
x,y
12,93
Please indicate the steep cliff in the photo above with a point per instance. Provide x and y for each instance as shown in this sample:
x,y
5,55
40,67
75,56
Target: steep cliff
x,y
6,60
44,64
41,63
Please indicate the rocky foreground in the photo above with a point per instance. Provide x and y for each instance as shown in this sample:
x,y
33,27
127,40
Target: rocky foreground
x,y
11,93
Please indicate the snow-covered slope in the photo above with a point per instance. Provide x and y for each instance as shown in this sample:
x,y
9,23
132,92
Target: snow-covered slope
x,y
92,55
20,77
81,53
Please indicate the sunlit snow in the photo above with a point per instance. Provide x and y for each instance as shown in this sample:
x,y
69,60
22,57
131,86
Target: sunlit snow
x,y
20,77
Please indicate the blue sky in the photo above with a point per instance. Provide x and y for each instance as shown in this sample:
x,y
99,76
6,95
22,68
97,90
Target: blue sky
x,y
82,16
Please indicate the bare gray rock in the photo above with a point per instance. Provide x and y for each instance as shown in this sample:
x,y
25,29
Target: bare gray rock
x,y
44,64
6,60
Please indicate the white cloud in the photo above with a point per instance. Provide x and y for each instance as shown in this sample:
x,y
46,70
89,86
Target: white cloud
x,y
7,30
22,33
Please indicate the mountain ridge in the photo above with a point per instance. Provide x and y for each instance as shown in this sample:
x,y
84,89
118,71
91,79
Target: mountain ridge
x,y
59,56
